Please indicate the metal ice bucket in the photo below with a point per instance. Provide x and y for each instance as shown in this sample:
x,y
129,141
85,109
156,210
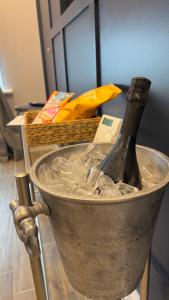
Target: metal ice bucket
x,y
104,244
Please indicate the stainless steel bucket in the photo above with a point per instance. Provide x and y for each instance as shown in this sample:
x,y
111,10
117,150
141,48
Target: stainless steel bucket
x,y
104,244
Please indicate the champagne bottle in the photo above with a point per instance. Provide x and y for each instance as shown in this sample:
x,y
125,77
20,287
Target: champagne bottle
x,y
121,162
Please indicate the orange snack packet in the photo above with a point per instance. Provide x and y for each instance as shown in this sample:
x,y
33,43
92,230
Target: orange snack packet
x,y
86,104
55,102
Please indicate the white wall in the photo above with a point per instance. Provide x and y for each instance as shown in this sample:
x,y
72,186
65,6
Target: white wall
x,y
20,54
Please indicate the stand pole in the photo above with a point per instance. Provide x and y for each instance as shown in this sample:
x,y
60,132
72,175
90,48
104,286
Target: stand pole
x,y
145,281
22,183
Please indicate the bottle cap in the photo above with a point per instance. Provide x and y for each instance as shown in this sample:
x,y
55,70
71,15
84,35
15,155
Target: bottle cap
x,y
139,89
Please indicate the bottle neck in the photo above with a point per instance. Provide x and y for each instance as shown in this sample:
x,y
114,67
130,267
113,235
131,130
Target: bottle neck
x,y
132,118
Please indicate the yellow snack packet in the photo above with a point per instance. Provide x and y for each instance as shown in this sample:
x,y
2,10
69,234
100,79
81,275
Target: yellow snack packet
x,y
86,104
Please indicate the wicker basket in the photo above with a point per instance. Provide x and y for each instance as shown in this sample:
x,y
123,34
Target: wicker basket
x,y
59,133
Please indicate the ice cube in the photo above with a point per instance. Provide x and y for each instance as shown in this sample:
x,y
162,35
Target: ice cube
x,y
84,156
125,188
73,170
105,181
147,185
85,190
45,174
91,155
146,174
66,173
78,173
97,156
60,163
148,178
57,187
64,185
93,175
110,192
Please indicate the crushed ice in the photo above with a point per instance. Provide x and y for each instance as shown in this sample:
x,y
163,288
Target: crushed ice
x,y
80,176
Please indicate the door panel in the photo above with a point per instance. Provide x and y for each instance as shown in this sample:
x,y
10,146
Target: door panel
x,y
160,249
65,4
54,11
159,286
80,53
134,41
69,44
47,48
59,62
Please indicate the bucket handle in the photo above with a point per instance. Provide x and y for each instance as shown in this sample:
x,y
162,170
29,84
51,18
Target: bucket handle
x,y
25,225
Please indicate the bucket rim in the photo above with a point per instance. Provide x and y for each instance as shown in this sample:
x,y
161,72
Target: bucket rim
x,y
89,200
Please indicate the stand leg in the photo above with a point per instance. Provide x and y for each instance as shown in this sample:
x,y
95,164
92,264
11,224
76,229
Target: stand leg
x,y
37,264
37,272
145,281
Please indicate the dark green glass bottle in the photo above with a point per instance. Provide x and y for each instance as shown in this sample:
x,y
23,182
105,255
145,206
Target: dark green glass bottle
x,y
121,162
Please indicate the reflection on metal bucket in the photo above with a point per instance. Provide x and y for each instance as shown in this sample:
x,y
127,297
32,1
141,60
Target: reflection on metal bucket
x,y
104,244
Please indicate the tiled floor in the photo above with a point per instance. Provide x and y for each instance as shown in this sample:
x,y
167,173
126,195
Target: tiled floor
x,y
15,274
16,281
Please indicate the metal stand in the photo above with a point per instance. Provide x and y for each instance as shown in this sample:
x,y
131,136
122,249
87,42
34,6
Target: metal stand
x,y
24,212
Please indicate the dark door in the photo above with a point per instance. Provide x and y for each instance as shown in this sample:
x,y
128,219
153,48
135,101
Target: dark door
x,y
88,43
69,41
